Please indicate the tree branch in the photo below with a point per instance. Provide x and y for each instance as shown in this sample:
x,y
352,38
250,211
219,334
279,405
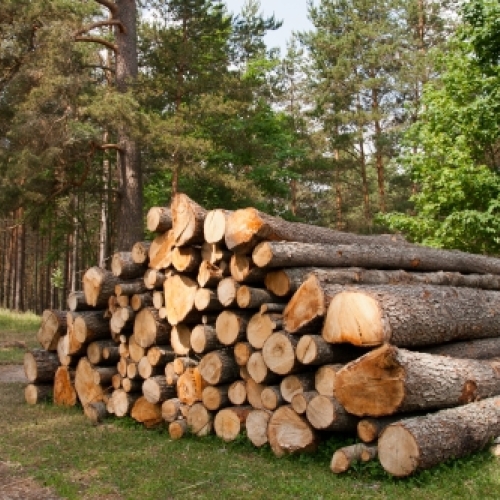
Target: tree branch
x,y
117,147
111,6
107,44
98,24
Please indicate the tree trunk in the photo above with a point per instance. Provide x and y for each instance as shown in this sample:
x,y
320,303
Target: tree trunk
x,y
171,409
422,442
389,380
130,287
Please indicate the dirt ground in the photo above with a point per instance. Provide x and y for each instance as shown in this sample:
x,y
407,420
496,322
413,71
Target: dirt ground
x,y
15,484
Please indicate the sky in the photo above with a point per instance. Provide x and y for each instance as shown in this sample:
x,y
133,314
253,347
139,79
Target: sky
x,y
292,12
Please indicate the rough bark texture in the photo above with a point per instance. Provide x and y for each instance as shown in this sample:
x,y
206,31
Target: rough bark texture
x,y
156,390
123,266
218,367
326,413
314,350
90,325
40,366
389,380
204,339
409,257
343,458
472,349
422,442
206,300
247,227
149,329
159,219
252,298
243,270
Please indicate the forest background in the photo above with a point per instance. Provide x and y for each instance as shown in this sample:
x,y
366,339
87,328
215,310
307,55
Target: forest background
x,y
383,117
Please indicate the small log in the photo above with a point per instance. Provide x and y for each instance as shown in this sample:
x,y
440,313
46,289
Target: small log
x,y
271,397
369,429
344,457
135,350
324,379
96,412
131,287
140,252
301,400
422,442
122,300
122,366
95,352
170,376
116,381
159,219
188,219
325,413
171,409
215,253
64,393
243,270
214,227
244,375
252,298
200,420
272,307
38,393
259,371
76,302
146,370
231,326
154,280
180,292
204,339
230,422
133,371
180,338
186,259
177,429
254,393
261,326
242,352
124,401
226,292
123,347
297,384
103,375
127,313
146,413
237,392
149,329
207,300
215,397
288,432
90,325
160,251
156,390
141,300
314,350
123,266
279,353
98,286
160,355
256,426
190,386
133,386
210,275
111,353
389,380
40,366
181,364
218,367
52,328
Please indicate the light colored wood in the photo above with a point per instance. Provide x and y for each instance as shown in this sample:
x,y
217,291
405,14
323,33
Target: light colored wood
x,y
160,355
252,298
86,388
95,352
124,401
183,363
177,429
204,339
326,413
243,270
186,259
159,219
98,286
154,280
369,429
38,393
256,426
254,393
206,300
116,381
188,220
180,339
180,292
147,370
218,367
324,380
301,400
261,326
103,375
231,326
210,275
237,392
76,302
279,353
215,397
230,422
214,226
156,390
343,458
200,420
171,409
40,366
190,386
259,371
140,252
160,251
296,384
130,385
271,397
136,351
215,253
146,413
96,412
313,350
158,299
90,325
227,290
52,328
242,352
123,266
150,329
139,301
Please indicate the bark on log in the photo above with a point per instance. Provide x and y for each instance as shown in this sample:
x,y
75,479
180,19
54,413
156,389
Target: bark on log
x,y
40,366
242,352
95,352
141,300
91,325
207,300
98,286
226,292
131,287
124,267
259,371
38,393
261,327
344,457
140,252
96,412
325,413
182,363
200,420
159,219
279,353
210,275
215,397
160,251
214,227
171,409
301,400
160,355
204,339
284,282
188,220
231,326
186,259
147,370
146,413
64,387
253,298
369,429
288,432
230,422
156,390
149,329
256,426
154,280
296,384
133,386
218,367
237,392
247,227
324,379
243,270
314,350
52,328
422,442
471,349
76,302
271,397
389,380
180,292
190,386
180,339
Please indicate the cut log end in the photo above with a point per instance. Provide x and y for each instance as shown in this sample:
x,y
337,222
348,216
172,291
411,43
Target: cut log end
x,y
398,451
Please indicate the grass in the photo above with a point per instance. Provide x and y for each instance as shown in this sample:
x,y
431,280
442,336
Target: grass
x,y
17,333
123,460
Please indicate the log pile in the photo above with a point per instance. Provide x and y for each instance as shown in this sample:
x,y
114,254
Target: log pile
x,y
231,322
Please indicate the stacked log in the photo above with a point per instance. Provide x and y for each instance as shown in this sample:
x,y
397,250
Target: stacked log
x,y
239,321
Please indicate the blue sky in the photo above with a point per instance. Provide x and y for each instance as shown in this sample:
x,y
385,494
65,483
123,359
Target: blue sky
x,y
292,12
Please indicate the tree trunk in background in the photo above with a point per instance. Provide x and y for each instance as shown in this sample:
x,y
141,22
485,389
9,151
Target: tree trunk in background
x,y
129,224
20,264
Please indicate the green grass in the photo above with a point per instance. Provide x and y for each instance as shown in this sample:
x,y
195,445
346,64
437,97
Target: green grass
x,y
17,333
122,460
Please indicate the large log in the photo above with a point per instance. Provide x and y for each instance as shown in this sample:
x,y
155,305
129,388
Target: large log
x,y
313,350
51,329
389,380
64,387
149,329
230,422
247,227
284,282
91,325
422,442
409,257
40,366
98,286
159,219
123,266
180,292
218,367
410,316
288,432
188,220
